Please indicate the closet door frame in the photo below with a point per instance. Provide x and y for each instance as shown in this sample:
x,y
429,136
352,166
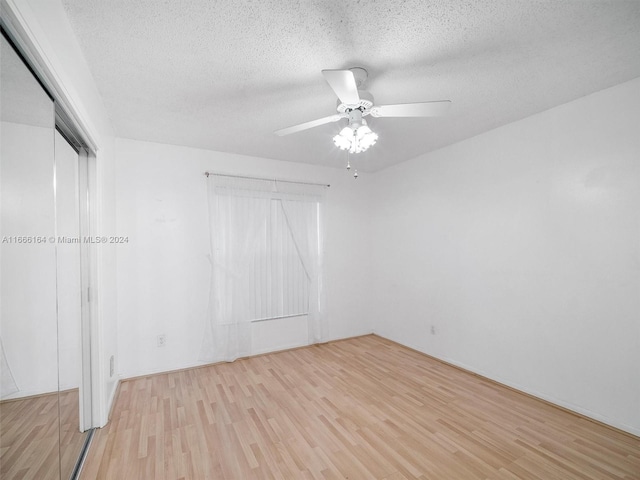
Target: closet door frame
x,y
89,347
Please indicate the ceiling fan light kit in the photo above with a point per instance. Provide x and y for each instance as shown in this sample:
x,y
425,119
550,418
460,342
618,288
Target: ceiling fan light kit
x,y
357,136
354,103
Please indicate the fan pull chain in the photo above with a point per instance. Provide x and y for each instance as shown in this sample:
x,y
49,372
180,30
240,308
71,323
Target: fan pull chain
x,y
355,174
348,160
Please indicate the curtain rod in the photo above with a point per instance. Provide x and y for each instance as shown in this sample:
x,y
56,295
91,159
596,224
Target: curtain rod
x,y
267,179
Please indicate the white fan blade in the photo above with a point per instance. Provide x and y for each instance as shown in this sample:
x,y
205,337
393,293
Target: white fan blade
x,y
311,124
344,84
424,109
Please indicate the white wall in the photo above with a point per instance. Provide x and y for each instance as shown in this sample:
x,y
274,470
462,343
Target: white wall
x,y
46,27
521,247
163,272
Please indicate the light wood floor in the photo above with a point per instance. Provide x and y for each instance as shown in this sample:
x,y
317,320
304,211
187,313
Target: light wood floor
x,y
356,409
40,437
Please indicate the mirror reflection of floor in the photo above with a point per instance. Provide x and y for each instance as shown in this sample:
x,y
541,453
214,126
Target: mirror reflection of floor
x,y
29,436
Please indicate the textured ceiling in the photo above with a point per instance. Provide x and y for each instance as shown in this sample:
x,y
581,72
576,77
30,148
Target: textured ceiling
x,y
223,75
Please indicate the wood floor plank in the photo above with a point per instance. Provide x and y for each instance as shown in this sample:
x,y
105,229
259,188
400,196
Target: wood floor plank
x,y
359,409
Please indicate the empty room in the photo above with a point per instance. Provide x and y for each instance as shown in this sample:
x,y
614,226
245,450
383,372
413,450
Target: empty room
x,y
320,239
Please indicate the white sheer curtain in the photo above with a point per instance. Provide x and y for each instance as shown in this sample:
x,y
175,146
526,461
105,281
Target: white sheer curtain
x,y
303,221
238,215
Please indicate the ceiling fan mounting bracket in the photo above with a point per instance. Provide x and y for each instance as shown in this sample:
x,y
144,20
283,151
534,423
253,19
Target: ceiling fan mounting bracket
x,y
360,75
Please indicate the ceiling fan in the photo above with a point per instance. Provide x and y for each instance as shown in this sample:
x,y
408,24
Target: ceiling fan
x,y
355,103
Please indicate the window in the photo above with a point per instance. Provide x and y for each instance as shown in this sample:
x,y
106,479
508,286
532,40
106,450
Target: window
x,y
266,257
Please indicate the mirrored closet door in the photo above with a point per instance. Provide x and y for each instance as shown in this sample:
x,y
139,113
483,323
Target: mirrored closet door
x,y
43,428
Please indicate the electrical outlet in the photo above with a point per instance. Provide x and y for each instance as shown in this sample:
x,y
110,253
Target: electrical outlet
x,y
162,340
433,329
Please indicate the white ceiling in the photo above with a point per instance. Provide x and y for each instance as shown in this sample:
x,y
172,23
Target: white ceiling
x,y
224,74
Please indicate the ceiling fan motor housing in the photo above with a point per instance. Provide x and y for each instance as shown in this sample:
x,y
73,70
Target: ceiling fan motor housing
x,y
365,104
